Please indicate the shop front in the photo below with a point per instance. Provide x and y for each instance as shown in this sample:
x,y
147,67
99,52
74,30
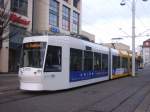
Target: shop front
x,y
15,44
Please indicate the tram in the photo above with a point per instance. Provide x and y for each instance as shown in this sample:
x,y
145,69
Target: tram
x,y
62,62
120,64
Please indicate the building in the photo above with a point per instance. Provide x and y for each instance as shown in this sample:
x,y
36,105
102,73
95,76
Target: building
x,y
36,17
20,13
146,51
57,16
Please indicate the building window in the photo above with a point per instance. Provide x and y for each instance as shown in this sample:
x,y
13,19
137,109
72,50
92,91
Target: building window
x,y
54,13
75,23
1,3
66,18
19,6
15,44
75,3
16,36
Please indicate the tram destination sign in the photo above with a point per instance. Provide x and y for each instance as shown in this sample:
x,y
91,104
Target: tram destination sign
x,y
33,45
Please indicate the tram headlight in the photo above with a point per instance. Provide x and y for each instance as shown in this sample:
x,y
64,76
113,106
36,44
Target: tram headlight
x,y
35,73
20,72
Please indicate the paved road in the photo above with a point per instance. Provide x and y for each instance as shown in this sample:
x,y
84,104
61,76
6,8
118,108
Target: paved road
x,y
120,95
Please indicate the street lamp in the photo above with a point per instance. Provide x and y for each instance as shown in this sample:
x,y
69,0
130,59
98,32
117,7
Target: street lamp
x,y
133,33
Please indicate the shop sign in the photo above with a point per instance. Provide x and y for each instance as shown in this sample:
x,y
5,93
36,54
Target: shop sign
x,y
18,19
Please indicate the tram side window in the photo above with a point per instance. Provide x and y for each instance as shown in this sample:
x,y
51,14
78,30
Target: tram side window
x,y
130,62
97,61
104,62
75,60
125,62
53,59
88,60
116,62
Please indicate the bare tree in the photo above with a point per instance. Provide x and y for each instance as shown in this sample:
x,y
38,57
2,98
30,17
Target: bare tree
x,y
5,15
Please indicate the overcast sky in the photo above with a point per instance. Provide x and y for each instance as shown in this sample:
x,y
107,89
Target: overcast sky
x,y
107,19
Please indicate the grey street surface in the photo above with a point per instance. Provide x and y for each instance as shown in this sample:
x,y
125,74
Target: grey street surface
x,y
121,95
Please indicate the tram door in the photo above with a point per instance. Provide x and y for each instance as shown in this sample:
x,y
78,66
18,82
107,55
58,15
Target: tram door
x,y
55,69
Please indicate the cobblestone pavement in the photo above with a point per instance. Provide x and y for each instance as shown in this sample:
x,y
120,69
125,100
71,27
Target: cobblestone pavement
x,y
129,94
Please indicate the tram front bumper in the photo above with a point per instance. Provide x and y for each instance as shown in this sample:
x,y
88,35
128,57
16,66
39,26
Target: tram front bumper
x,y
31,86
31,83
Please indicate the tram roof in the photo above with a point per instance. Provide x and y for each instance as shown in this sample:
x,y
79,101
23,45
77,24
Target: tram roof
x,y
76,42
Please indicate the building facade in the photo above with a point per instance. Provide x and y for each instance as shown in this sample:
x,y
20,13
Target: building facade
x,y
57,16
36,17
20,14
146,51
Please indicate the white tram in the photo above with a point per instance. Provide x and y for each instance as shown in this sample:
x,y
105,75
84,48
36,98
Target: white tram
x,y
61,62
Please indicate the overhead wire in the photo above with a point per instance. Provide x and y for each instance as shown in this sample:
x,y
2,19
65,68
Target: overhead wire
x,y
137,17
118,13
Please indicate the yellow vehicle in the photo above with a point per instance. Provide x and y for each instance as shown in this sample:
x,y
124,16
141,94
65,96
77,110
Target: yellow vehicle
x,y
120,64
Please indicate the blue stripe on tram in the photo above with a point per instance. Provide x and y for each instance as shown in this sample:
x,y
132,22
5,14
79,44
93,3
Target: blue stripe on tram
x,y
85,75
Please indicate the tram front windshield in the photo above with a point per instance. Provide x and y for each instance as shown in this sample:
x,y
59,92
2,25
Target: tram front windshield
x,y
33,54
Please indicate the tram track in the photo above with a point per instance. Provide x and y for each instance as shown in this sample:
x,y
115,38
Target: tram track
x,y
133,95
15,95
123,99
9,91
87,107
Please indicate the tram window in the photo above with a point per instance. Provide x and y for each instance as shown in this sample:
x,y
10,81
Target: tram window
x,y
88,60
104,61
116,62
53,59
131,63
97,61
75,60
125,62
